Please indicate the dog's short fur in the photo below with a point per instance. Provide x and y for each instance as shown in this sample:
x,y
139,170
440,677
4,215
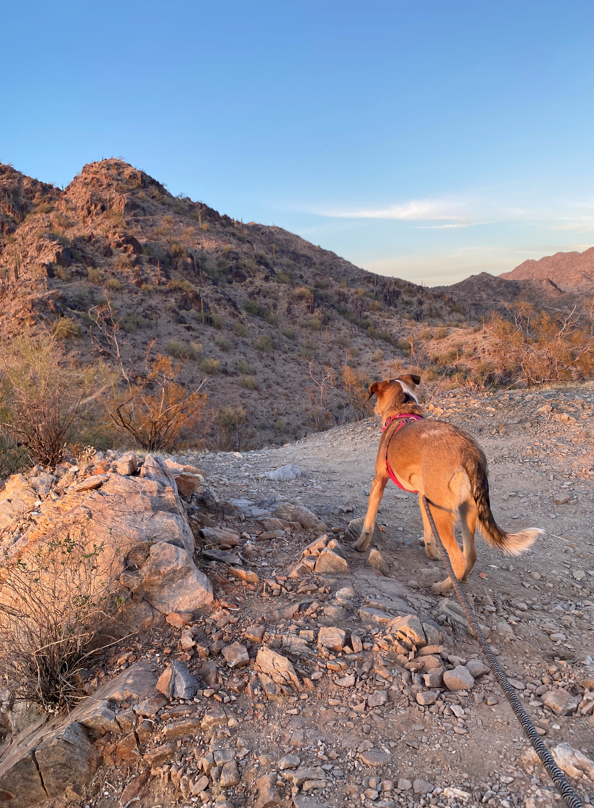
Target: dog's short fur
x,y
445,464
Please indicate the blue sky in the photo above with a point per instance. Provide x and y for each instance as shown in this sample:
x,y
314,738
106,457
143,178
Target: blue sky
x,y
426,140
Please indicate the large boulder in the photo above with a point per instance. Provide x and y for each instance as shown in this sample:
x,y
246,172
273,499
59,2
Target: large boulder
x,y
137,519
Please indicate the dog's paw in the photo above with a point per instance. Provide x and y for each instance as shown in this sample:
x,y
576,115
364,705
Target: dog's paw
x,y
442,587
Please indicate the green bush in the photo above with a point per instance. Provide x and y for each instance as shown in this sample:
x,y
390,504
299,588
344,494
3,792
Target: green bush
x,y
289,333
264,343
133,321
242,366
216,321
239,329
95,276
223,344
258,311
180,350
440,333
113,285
249,382
210,366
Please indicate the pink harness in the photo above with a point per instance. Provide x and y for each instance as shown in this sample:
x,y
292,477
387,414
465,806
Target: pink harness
x,y
406,419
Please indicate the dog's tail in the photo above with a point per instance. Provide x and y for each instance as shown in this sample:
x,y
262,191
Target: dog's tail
x,y
509,543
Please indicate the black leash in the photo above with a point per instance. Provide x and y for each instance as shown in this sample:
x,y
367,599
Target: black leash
x,y
561,783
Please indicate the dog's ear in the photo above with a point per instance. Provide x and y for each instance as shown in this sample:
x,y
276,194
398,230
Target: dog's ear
x,y
373,389
377,388
411,378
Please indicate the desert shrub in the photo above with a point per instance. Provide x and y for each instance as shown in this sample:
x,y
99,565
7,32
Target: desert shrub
x,y
113,285
404,346
133,321
62,221
242,366
540,347
249,382
177,285
354,352
41,397
371,332
426,333
450,356
65,328
314,324
181,350
264,343
233,428
13,458
431,373
147,288
285,277
95,275
440,333
342,340
385,336
54,602
210,366
44,207
378,356
216,321
223,344
289,333
258,311
158,412
356,389
239,329
302,293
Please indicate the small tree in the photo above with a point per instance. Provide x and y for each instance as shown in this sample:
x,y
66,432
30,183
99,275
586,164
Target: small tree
x,y
356,389
156,410
540,347
42,396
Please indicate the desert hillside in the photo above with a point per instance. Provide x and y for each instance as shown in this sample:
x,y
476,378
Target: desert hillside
x,y
571,271
245,306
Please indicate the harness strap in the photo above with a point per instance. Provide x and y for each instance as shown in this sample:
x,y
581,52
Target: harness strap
x,y
406,419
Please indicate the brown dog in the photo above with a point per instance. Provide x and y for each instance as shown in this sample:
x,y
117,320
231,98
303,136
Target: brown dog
x,y
443,463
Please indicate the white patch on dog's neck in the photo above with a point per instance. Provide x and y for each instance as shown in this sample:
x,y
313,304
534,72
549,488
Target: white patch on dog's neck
x,y
408,390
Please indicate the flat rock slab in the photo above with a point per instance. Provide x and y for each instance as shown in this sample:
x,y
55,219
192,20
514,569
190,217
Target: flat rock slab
x,y
374,758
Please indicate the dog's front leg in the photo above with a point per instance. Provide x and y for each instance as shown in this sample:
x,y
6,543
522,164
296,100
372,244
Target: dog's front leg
x,y
375,497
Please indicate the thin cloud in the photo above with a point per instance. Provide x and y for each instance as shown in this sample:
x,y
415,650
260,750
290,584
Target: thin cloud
x,y
413,211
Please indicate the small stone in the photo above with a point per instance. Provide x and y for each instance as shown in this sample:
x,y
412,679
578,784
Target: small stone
x,y
459,678
182,728
376,562
277,667
560,702
289,762
301,776
188,484
254,633
331,563
176,681
477,668
160,754
433,678
288,472
332,638
578,575
404,784
374,757
559,499
422,787
186,641
230,775
427,697
408,631
236,655
268,794
249,576
200,785
377,698
347,681
344,595
213,718
178,619
91,483
557,637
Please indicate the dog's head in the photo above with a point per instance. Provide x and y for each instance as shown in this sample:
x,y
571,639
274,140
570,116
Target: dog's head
x,y
396,394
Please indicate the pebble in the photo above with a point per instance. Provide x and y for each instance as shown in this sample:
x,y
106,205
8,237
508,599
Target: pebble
x,y
459,678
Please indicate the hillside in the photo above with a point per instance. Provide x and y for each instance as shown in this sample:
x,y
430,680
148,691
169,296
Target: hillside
x,y
572,271
245,305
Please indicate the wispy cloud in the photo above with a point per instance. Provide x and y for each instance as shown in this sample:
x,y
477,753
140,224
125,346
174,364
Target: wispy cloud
x,y
412,211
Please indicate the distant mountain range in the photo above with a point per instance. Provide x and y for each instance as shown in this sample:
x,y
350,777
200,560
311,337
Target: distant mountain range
x,y
571,271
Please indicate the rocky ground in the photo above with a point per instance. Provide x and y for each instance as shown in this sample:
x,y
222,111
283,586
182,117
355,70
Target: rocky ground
x,y
319,677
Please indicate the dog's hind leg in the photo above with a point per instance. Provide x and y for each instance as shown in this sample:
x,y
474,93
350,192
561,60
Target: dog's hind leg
x,y
429,538
445,521
468,520
375,497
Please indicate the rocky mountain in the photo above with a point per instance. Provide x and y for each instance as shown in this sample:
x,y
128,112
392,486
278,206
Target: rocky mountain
x,y
571,271
482,294
246,306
